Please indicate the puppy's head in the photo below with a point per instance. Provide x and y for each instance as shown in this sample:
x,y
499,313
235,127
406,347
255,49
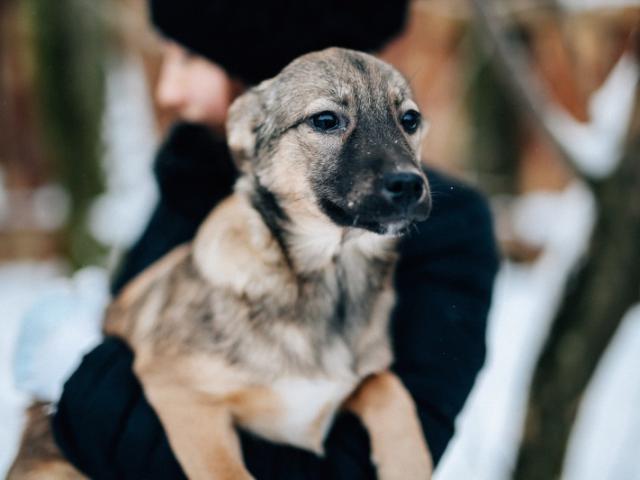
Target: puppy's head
x,y
336,134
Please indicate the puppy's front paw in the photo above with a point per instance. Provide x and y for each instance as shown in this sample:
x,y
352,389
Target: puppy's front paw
x,y
407,462
237,474
398,447
402,454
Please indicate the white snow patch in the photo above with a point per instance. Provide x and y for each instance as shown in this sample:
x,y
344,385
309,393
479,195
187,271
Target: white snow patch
x,y
61,325
597,146
585,5
20,284
118,215
50,207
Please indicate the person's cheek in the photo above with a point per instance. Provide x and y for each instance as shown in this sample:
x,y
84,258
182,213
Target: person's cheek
x,y
173,91
211,95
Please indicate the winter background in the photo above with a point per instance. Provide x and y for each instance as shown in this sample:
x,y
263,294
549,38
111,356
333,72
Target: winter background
x,y
605,443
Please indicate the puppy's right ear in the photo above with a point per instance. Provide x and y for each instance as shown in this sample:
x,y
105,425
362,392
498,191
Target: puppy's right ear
x,y
244,119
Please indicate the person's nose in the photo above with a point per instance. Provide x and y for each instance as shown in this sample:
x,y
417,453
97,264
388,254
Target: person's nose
x,y
170,89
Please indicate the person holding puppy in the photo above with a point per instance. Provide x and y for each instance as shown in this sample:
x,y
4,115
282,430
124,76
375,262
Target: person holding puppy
x,y
443,282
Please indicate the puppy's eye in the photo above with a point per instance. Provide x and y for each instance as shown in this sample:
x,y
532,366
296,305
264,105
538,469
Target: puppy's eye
x,y
410,121
325,121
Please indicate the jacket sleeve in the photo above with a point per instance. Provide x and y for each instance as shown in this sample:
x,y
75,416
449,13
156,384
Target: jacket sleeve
x,y
444,284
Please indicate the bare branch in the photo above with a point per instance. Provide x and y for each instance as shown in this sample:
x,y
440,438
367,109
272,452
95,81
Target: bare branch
x,y
509,59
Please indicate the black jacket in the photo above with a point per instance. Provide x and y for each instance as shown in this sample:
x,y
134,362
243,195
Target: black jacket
x,y
444,284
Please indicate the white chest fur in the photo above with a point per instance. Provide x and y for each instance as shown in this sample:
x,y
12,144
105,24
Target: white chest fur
x,y
306,410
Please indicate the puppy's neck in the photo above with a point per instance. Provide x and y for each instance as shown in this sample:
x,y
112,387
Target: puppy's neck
x,y
308,239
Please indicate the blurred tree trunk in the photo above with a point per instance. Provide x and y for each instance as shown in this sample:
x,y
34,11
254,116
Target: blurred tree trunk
x,y
68,38
22,158
603,290
495,142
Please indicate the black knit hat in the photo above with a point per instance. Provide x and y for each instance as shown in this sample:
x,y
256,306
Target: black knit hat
x,y
254,39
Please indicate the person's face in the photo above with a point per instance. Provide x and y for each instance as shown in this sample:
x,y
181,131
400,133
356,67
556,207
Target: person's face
x,y
197,89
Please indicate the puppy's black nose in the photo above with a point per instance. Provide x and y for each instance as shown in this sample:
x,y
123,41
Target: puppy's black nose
x,y
403,189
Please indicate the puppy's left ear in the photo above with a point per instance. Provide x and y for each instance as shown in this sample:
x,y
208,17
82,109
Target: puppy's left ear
x,y
246,114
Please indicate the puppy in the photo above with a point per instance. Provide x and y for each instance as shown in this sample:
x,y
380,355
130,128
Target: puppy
x,y
276,316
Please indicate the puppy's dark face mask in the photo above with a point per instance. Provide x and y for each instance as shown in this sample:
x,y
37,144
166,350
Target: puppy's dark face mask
x,y
336,132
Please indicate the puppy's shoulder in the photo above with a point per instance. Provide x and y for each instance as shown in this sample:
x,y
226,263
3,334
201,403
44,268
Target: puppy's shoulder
x,y
120,314
155,272
234,249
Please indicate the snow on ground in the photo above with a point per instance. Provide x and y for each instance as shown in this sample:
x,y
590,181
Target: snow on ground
x,y
20,285
606,441
606,437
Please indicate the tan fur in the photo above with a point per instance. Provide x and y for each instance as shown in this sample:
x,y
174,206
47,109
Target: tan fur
x,y
235,250
118,317
390,416
201,432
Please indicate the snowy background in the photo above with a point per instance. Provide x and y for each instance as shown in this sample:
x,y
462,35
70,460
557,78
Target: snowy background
x,y
606,439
